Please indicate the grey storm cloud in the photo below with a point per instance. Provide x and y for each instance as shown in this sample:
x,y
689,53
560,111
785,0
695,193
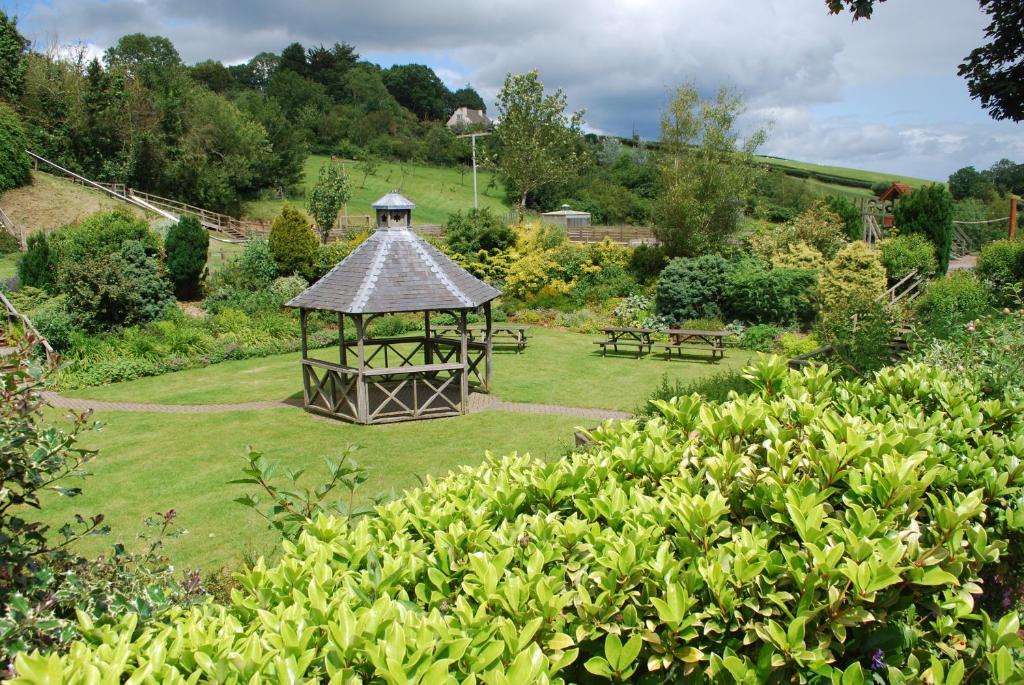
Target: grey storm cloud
x,y
617,60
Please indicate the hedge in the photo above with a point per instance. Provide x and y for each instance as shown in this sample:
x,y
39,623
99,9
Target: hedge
x,y
810,532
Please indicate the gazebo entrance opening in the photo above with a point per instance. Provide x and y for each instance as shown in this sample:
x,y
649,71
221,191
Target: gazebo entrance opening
x,y
400,378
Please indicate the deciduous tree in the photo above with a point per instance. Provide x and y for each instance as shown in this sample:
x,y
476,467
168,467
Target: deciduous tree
x,y
418,89
328,196
13,47
707,171
537,143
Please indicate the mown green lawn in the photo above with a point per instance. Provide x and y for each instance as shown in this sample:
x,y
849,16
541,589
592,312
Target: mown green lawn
x,y
150,463
437,191
557,367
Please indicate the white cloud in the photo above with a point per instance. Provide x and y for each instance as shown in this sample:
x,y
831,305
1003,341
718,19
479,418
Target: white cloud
x,y
619,59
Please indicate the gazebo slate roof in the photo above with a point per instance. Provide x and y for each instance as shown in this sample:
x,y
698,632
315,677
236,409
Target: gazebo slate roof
x,y
395,270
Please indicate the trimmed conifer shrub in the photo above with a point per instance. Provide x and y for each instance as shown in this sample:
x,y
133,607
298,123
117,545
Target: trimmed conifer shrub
x,y
293,244
187,243
929,211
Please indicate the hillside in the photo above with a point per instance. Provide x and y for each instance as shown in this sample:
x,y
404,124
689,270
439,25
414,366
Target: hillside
x,y
51,202
437,191
824,178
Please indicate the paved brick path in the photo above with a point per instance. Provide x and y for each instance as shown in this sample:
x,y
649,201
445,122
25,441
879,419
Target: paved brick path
x,y
478,402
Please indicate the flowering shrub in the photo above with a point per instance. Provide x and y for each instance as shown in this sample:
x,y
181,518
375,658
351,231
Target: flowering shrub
x,y
989,351
813,531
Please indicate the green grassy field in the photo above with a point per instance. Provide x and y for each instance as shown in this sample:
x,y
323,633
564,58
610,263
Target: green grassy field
x,y
856,174
556,368
437,191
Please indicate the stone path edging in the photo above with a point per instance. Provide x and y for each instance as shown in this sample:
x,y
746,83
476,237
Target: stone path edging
x,y
478,402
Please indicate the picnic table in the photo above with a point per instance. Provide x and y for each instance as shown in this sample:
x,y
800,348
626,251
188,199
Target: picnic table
x,y
501,334
638,338
685,338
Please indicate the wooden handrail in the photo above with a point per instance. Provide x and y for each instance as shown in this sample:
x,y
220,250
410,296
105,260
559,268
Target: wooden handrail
x,y
891,293
51,354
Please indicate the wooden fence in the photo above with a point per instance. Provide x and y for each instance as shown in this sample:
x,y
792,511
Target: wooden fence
x,y
622,235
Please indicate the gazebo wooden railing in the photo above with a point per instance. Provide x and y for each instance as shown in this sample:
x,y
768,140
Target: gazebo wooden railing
x,y
417,391
400,378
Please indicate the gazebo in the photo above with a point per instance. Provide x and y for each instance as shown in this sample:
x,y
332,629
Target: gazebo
x,y
396,378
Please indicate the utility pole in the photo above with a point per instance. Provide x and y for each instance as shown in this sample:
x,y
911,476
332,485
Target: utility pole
x,y
473,137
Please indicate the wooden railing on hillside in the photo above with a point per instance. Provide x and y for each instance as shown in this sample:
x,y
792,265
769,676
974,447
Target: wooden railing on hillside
x,y
11,313
963,244
236,228
907,288
7,225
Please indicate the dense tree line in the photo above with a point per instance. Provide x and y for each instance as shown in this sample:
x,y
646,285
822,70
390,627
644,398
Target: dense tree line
x,y
1005,176
212,134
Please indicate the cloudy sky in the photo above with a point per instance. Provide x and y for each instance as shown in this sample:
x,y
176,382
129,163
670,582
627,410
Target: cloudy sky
x,y
880,94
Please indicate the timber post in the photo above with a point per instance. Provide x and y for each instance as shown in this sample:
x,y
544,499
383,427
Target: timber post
x,y
303,313
489,347
1013,217
362,403
428,351
463,359
342,352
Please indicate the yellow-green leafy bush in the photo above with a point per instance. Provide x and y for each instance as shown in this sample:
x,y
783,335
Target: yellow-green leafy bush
x,y
798,255
805,533
854,275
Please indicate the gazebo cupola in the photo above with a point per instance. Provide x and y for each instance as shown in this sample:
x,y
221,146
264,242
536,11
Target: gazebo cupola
x,y
394,210
396,378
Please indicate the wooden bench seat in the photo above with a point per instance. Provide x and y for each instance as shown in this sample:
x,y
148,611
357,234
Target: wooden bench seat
x,y
716,351
640,346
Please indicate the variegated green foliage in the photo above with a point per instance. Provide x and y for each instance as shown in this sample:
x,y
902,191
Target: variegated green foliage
x,y
818,531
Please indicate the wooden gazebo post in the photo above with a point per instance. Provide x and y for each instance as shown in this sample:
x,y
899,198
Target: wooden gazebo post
x,y
303,313
428,351
362,401
342,353
490,347
464,358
